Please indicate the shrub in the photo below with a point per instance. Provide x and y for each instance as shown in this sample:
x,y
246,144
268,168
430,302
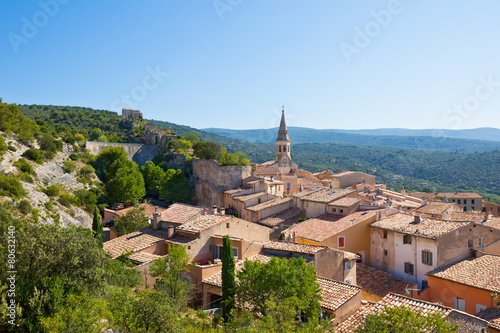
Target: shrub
x,y
11,148
87,171
48,155
52,191
69,167
86,198
24,166
11,186
67,200
25,178
24,207
49,205
34,155
73,157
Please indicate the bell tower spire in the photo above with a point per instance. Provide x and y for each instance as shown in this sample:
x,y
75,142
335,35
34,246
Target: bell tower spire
x,y
283,143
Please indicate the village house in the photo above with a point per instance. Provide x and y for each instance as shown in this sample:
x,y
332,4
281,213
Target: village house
x,y
340,299
469,201
263,210
467,285
282,220
410,246
466,322
348,233
316,202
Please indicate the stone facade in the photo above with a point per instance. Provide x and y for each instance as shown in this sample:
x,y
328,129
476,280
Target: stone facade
x,y
211,181
131,114
139,153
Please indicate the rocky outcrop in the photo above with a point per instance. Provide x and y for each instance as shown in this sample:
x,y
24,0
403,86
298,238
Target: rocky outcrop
x,y
137,152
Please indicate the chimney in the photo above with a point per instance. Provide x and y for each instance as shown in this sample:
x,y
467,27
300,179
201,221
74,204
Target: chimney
x,y
214,207
416,219
222,211
354,185
156,219
170,231
377,215
403,192
295,239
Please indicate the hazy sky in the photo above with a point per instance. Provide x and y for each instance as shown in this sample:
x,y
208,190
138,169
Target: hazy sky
x,y
233,63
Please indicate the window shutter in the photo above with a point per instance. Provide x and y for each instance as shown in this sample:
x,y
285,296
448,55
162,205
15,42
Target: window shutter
x,y
423,257
430,258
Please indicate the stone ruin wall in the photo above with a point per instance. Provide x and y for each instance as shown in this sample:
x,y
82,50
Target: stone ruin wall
x,y
211,180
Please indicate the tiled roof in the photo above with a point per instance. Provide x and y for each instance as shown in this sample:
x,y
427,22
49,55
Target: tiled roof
x,y
142,257
234,191
435,208
280,217
180,240
250,196
180,213
149,210
378,282
466,322
493,222
459,195
335,294
202,222
328,195
268,204
306,182
328,225
345,202
135,241
289,176
482,273
492,316
307,192
293,247
428,228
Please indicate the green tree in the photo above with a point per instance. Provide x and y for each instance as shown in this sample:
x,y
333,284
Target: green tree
x,y
154,176
176,187
121,273
228,278
96,134
209,150
97,227
279,280
402,319
171,270
105,158
133,220
126,183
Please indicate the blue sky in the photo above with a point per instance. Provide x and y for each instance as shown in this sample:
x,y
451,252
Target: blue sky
x,y
233,63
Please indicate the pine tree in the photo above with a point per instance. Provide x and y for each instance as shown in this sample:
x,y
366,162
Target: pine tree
x,y
228,280
97,226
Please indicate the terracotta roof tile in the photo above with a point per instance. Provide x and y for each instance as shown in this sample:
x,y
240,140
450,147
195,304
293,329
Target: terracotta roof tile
x,y
466,322
307,192
180,213
345,202
268,204
435,207
492,315
149,209
459,195
281,217
135,241
142,257
203,222
246,197
482,273
293,247
378,282
328,225
335,293
328,195
429,228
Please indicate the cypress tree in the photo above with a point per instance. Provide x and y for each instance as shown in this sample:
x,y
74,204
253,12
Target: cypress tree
x,y
228,279
97,226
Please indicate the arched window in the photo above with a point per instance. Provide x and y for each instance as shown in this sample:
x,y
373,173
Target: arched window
x,y
288,148
280,148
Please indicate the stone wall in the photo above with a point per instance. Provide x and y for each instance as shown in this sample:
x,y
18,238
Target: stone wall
x,y
211,180
139,153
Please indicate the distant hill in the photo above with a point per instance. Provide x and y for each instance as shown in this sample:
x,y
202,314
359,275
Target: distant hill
x,y
441,140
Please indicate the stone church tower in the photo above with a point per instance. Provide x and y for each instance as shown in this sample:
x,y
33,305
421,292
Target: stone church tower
x,y
283,144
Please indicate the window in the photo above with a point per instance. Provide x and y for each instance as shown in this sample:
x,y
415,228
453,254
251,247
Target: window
x,y
259,200
472,208
334,210
465,209
425,284
427,257
235,252
385,253
458,201
341,211
341,241
279,148
469,243
459,304
480,307
385,233
480,241
408,268
348,281
253,214
465,201
472,201
348,265
406,239
227,225
361,255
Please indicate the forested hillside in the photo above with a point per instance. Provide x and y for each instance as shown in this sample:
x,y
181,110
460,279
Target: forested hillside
x,y
421,169
419,139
